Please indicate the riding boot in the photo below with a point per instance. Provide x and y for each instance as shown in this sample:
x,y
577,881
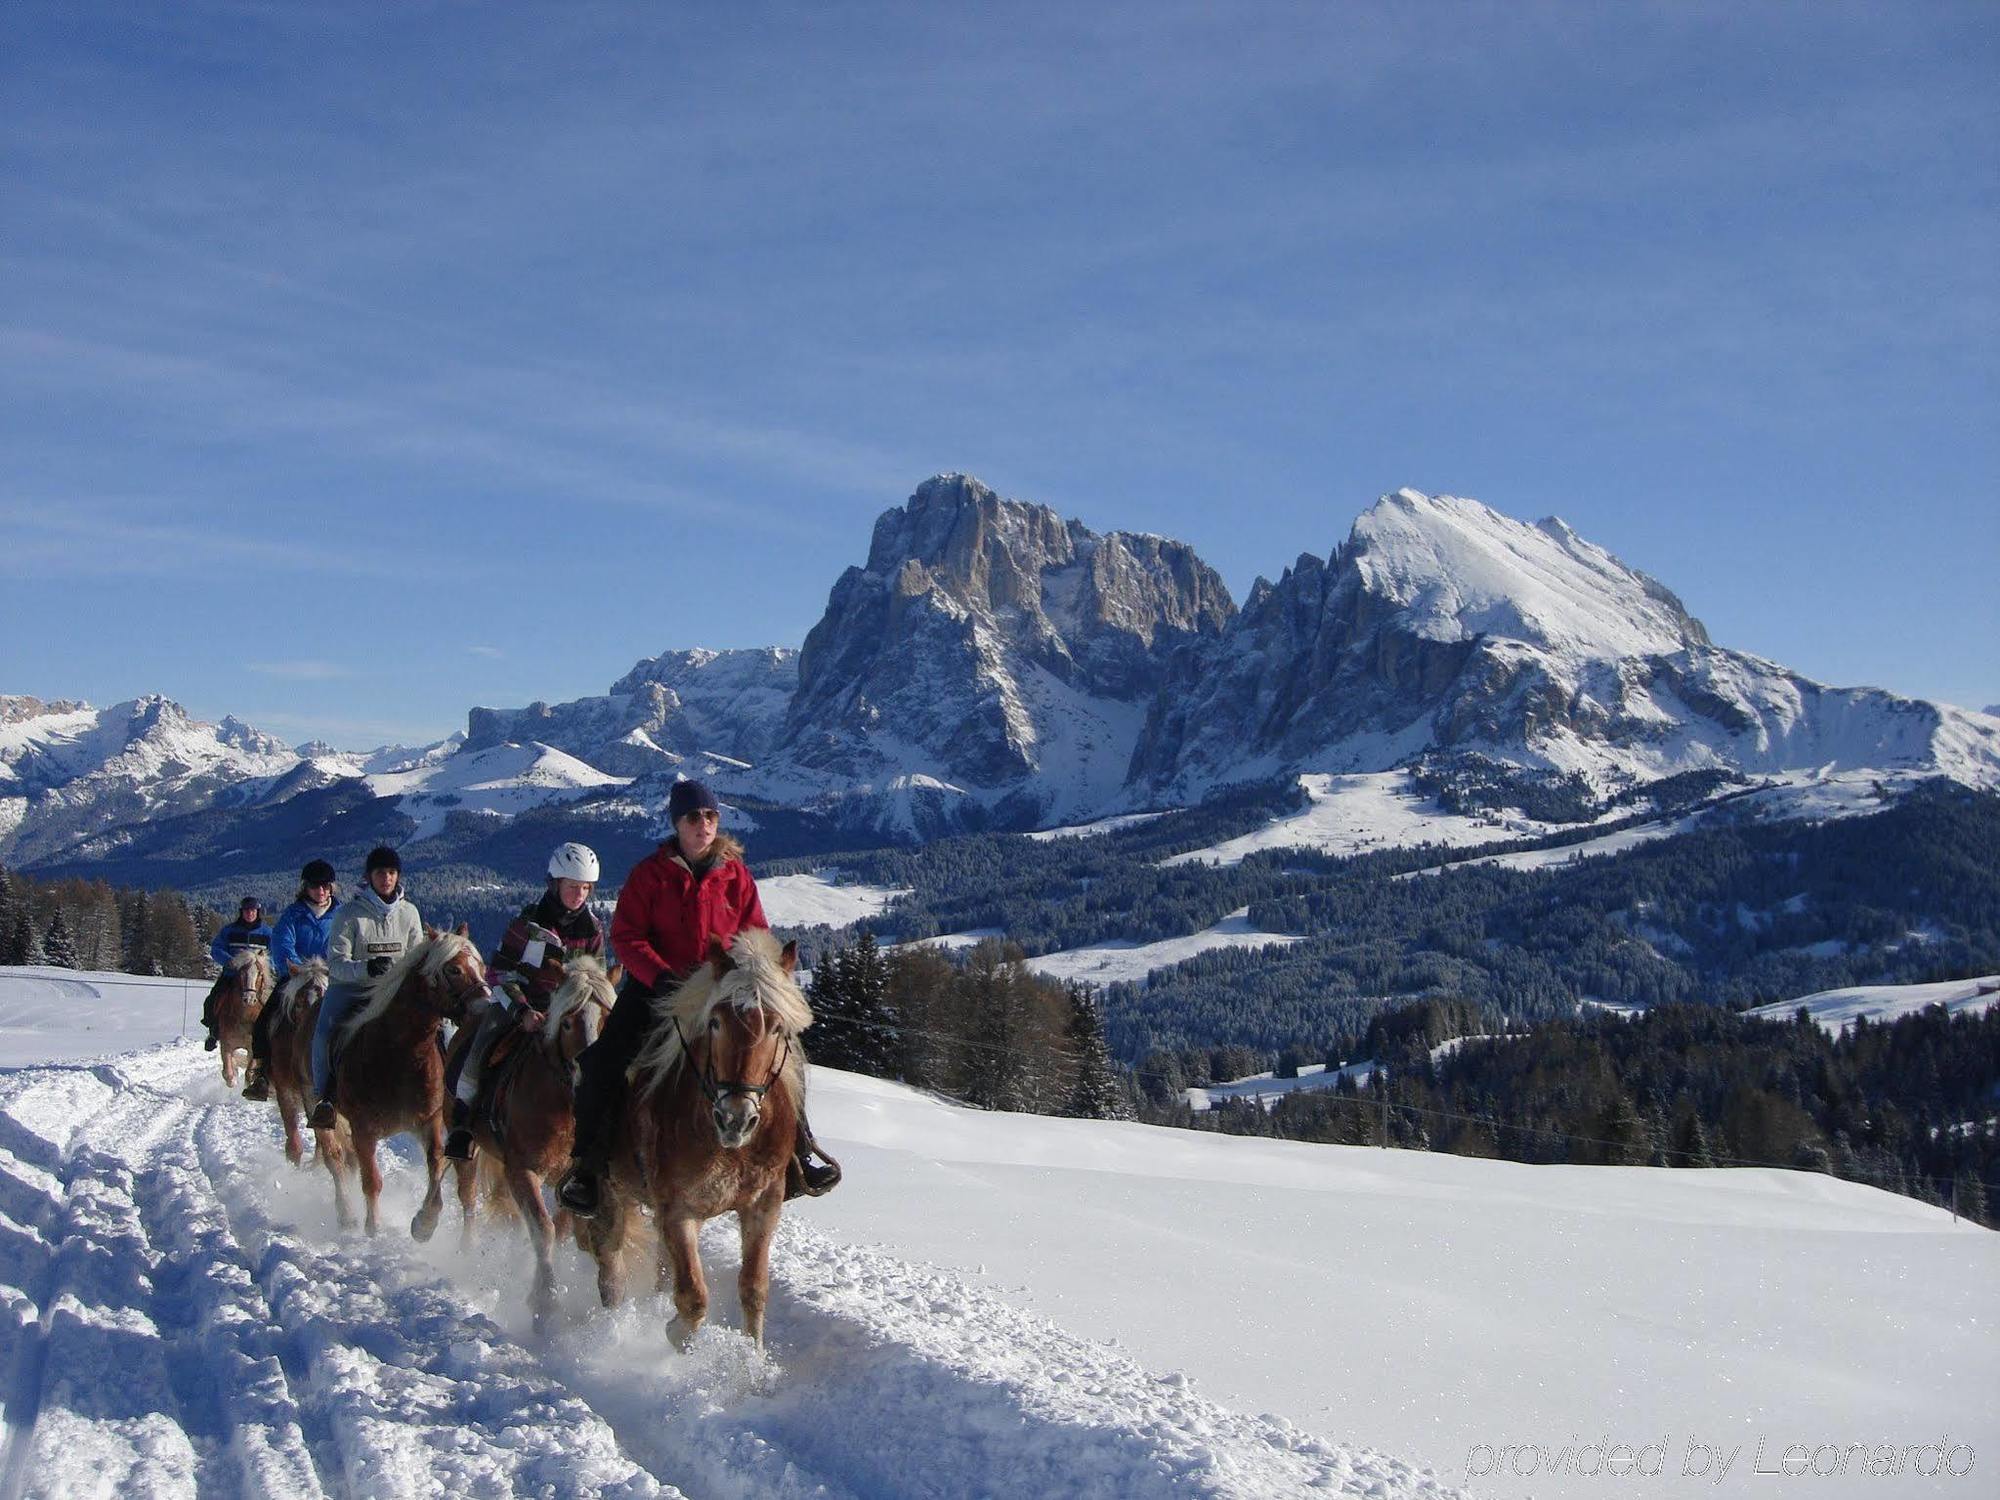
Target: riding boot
x,y
258,1086
458,1143
323,1116
805,1178
581,1190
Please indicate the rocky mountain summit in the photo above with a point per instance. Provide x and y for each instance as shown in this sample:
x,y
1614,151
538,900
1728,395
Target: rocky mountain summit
x,y
990,649
1442,625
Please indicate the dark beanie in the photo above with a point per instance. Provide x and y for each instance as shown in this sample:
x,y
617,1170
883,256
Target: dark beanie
x,y
382,857
687,797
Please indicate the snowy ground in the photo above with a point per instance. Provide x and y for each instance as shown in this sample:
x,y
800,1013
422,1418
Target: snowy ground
x,y
1837,1009
820,899
1119,962
990,1305
1361,813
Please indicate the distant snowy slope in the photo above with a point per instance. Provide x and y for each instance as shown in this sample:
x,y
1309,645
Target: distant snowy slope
x,y
1838,1009
502,779
49,1013
819,898
1120,962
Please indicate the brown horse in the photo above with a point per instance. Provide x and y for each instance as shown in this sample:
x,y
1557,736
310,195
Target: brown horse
x,y
709,1127
526,1132
239,995
291,1060
390,1076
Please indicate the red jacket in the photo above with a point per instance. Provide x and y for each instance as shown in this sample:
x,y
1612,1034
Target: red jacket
x,y
665,917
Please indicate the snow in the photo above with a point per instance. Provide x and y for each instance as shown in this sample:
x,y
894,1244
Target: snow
x,y
1362,813
990,1304
183,1319
819,899
1093,830
49,1013
1461,569
1837,1009
1123,962
501,779
1266,1089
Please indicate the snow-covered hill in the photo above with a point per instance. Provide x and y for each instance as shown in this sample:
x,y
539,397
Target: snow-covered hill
x,y
990,1304
1836,1010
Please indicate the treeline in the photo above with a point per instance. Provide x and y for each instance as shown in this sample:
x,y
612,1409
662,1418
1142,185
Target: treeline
x,y
986,1031
87,924
1909,1105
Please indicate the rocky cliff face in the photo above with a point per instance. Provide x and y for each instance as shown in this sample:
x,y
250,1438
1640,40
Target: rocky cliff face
x,y
991,646
666,710
1441,624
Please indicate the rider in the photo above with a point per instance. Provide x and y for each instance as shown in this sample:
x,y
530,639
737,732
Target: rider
x,y
526,968
247,931
373,928
301,933
693,888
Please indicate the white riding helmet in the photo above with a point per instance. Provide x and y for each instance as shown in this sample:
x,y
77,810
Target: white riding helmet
x,y
574,862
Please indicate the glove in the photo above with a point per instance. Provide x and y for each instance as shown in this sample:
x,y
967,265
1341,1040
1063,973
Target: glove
x,y
528,1018
377,967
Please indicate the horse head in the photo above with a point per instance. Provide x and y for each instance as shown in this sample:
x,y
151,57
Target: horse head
x,y
734,1027
443,975
578,1007
252,969
304,987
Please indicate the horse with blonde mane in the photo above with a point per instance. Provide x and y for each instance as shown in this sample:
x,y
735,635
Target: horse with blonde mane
x,y
527,1123
290,1071
709,1126
239,995
389,1074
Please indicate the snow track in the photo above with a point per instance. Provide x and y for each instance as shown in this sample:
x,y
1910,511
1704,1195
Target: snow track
x,y
178,1317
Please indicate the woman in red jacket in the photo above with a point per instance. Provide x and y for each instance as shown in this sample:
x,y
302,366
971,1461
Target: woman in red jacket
x,y
691,889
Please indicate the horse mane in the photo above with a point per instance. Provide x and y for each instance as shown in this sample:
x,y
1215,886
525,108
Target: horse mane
x,y
249,958
429,957
584,981
755,979
292,994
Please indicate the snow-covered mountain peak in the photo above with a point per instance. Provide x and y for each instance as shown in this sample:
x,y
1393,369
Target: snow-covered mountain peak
x,y
1459,569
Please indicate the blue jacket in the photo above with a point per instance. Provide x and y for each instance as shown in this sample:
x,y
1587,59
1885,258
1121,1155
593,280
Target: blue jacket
x,y
234,938
300,935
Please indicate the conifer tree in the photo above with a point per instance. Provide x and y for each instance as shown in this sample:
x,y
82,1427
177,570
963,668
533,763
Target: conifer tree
x,y
1096,1094
59,943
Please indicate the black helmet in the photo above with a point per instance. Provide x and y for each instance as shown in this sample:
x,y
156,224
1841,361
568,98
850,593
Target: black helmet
x,y
249,903
317,872
382,857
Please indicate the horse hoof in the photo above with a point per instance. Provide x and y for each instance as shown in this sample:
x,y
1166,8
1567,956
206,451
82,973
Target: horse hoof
x,y
422,1227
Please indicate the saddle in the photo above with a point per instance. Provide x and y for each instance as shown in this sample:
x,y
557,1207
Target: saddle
x,y
503,1060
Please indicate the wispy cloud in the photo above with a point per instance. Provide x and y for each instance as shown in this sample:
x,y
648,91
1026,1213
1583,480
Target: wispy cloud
x,y
42,538
302,671
493,653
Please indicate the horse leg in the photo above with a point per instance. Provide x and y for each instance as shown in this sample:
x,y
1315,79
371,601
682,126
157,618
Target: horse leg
x,y
527,1190
327,1147
290,1112
604,1237
371,1177
227,1047
758,1224
425,1224
467,1174
680,1255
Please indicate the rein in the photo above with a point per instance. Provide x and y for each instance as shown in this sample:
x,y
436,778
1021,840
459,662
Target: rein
x,y
716,1091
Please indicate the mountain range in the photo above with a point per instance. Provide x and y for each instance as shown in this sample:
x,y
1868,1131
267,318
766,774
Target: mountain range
x,y
991,665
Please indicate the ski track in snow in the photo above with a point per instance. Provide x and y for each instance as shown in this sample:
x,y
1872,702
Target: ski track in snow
x,y
178,1317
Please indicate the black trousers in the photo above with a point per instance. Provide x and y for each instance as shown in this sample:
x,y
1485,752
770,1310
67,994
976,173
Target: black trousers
x,y
600,1088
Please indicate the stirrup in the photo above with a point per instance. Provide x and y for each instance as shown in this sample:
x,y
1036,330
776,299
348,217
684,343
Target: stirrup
x,y
805,1178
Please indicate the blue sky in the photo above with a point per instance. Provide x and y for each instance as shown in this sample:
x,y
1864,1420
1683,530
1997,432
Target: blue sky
x,y
362,363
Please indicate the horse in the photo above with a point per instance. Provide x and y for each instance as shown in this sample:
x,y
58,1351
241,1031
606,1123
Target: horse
x,y
291,1060
708,1128
239,995
390,1069
526,1131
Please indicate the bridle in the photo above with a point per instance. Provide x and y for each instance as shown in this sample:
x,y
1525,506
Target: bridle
x,y
718,1090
